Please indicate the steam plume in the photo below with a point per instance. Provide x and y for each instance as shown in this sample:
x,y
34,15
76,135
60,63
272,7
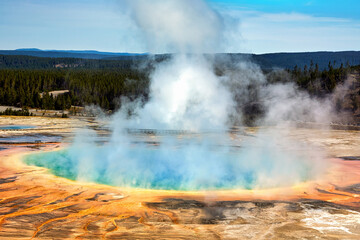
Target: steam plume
x,y
186,94
190,26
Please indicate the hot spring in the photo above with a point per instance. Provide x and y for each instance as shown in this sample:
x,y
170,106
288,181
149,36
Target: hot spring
x,y
193,91
182,163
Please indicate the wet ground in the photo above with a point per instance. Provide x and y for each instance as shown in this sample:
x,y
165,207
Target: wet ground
x,y
47,207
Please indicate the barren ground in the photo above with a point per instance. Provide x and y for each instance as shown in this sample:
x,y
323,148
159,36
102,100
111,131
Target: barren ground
x,y
35,204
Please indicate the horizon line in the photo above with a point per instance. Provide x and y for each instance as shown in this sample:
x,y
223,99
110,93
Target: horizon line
x,y
168,53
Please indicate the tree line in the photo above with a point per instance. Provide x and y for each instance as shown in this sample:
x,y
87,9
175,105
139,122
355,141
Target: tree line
x,y
320,84
317,82
105,86
118,63
31,88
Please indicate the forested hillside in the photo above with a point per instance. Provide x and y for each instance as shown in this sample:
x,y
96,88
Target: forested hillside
x,y
26,81
86,59
29,62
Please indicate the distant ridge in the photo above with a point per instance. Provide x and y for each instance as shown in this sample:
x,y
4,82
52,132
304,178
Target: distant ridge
x,y
79,51
28,49
265,61
85,54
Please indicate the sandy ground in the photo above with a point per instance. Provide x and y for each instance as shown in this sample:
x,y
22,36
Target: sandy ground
x,y
46,125
44,206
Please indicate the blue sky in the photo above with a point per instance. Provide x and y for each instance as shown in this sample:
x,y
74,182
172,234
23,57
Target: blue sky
x,y
256,26
319,8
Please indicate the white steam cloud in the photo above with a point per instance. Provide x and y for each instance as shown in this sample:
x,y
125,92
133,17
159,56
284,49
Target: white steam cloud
x,y
177,25
186,94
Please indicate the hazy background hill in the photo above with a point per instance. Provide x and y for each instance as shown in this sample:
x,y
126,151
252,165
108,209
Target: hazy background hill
x,y
90,54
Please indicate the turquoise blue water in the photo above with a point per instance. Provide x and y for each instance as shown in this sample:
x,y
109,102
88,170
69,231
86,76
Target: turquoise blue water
x,y
185,168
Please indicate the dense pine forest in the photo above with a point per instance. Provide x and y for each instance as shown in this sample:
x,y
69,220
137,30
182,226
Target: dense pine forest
x,y
30,88
340,84
28,82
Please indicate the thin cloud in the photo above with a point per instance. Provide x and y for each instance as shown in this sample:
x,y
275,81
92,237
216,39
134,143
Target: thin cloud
x,y
277,32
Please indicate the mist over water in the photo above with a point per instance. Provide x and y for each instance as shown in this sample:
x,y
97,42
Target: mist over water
x,y
186,94
187,164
